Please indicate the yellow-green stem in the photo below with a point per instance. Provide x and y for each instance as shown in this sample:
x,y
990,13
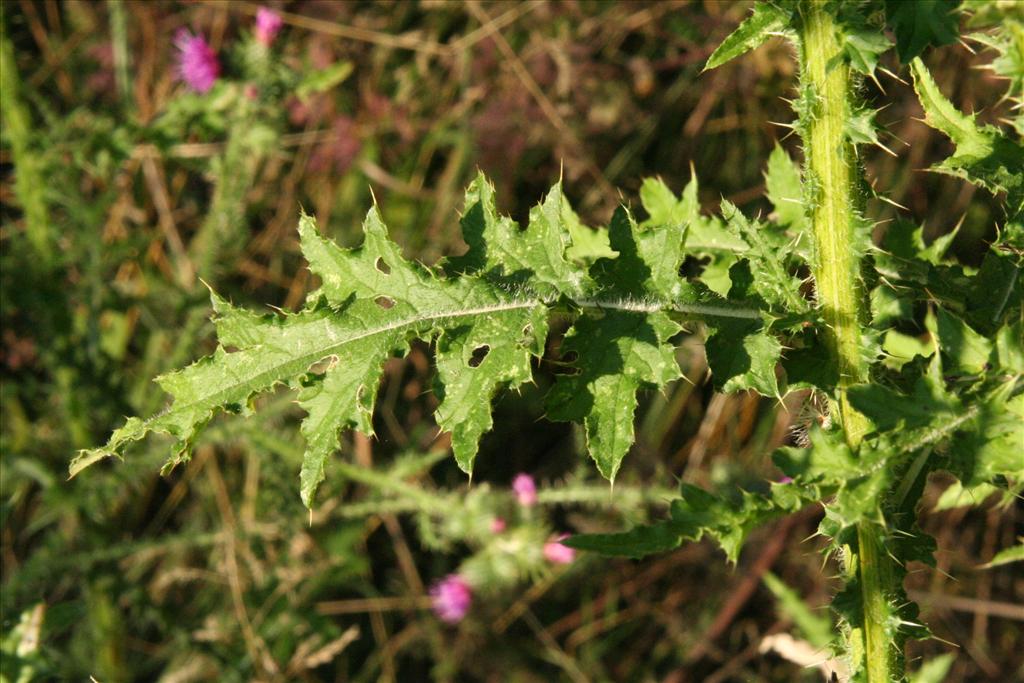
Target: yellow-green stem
x,y
833,173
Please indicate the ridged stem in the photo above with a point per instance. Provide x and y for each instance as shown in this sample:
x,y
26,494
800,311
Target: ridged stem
x,y
833,175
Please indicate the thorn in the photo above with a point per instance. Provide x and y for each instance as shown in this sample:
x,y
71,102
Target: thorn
x,y
874,79
310,518
892,75
889,151
885,199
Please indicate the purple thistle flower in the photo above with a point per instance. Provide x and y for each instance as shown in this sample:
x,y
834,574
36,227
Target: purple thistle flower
x,y
525,489
785,480
197,63
556,553
451,598
268,24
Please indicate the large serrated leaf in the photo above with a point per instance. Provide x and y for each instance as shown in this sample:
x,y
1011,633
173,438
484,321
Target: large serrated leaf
x,y
370,303
487,310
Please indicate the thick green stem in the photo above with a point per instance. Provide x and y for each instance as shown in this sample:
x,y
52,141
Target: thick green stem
x,y
833,178
832,165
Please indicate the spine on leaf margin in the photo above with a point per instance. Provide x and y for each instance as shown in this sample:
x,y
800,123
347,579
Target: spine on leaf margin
x,y
832,192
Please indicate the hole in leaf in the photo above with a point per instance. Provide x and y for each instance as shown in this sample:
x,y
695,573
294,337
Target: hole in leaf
x,y
382,266
384,301
528,331
479,353
570,357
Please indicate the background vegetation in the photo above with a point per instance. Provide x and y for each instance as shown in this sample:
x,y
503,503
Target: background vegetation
x,y
122,192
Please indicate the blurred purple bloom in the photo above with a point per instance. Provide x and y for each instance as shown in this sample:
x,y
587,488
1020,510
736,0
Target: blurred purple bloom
x,y
497,525
556,553
450,598
197,63
525,489
786,480
268,24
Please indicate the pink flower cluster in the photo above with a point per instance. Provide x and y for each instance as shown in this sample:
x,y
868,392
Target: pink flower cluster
x,y
556,553
268,24
197,62
525,489
198,65
451,598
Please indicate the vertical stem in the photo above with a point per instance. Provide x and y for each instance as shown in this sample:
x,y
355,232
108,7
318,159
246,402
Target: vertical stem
x,y
832,164
833,175
119,41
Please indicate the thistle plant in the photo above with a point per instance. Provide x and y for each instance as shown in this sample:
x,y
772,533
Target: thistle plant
x,y
916,360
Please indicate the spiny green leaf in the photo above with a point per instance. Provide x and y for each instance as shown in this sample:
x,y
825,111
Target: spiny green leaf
x,y
903,348
966,350
505,337
906,240
984,155
888,307
808,366
498,248
694,514
636,543
888,408
488,312
1006,556
956,495
920,23
588,244
863,47
988,447
648,260
371,302
619,350
704,234
996,293
768,255
861,128
828,460
472,362
1008,42
742,355
698,512
767,20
